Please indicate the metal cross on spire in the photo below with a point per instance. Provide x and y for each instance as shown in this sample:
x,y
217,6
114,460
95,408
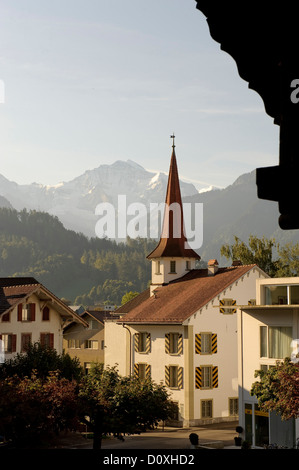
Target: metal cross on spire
x,y
172,137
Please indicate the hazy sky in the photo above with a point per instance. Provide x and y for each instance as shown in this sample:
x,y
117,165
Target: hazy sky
x,y
89,82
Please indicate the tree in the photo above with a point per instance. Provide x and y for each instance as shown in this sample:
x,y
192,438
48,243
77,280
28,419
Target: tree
x,y
278,389
128,296
42,360
121,405
32,408
258,251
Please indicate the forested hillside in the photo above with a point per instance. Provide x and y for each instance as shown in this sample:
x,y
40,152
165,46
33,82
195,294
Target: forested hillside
x,y
74,267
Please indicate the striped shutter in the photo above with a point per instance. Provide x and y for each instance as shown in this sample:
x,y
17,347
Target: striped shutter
x,y
224,308
136,342
136,370
198,343
214,343
167,343
148,371
180,344
180,377
148,343
198,380
167,376
215,377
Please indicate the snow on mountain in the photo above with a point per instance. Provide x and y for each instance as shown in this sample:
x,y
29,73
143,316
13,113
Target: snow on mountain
x,y
74,202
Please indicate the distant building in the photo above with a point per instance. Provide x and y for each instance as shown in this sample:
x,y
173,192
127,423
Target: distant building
x,y
87,344
182,331
30,313
268,332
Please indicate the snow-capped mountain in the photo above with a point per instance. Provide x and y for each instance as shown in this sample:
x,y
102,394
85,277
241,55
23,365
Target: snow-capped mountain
x,y
74,202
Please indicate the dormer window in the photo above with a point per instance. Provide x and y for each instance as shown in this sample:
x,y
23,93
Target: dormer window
x,y
158,267
188,266
26,312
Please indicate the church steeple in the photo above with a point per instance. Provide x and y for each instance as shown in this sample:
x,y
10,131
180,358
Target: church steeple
x,y
173,242
172,257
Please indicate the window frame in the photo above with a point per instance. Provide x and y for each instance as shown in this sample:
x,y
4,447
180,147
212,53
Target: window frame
x,y
266,347
203,402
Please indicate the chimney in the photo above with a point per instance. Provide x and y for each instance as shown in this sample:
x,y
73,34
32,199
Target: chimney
x,y
212,267
237,262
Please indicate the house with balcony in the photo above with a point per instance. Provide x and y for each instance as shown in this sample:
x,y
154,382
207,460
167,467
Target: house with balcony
x,y
267,332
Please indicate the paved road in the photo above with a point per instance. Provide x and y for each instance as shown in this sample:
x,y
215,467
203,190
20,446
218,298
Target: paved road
x,y
170,438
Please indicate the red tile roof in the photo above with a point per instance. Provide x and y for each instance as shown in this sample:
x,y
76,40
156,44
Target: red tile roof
x,y
177,301
14,290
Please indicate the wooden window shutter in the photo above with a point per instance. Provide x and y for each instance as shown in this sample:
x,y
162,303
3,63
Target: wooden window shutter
x,y
51,340
215,377
180,377
148,343
20,307
180,344
198,377
32,312
214,343
167,343
198,343
136,370
148,371
46,314
42,339
136,342
13,343
167,376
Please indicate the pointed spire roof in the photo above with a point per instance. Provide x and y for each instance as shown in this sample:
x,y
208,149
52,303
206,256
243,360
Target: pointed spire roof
x,y
173,242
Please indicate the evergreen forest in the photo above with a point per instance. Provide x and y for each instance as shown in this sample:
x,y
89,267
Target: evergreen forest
x,y
82,271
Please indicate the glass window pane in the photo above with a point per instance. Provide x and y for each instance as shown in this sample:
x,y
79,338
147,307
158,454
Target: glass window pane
x,y
263,341
276,295
280,338
294,295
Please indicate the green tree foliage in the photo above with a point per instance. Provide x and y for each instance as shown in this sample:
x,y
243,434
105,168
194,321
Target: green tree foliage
x,y
278,389
119,405
42,360
71,265
274,259
128,296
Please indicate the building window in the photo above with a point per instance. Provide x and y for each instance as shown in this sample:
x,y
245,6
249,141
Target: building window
x,y
26,312
142,342
93,324
226,306
73,344
143,371
46,314
7,343
174,376
282,295
174,343
102,344
47,340
233,406
206,377
188,266
158,267
25,341
206,408
275,341
172,267
206,343
91,344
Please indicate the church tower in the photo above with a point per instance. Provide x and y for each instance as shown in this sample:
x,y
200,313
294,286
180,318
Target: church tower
x,y
172,258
